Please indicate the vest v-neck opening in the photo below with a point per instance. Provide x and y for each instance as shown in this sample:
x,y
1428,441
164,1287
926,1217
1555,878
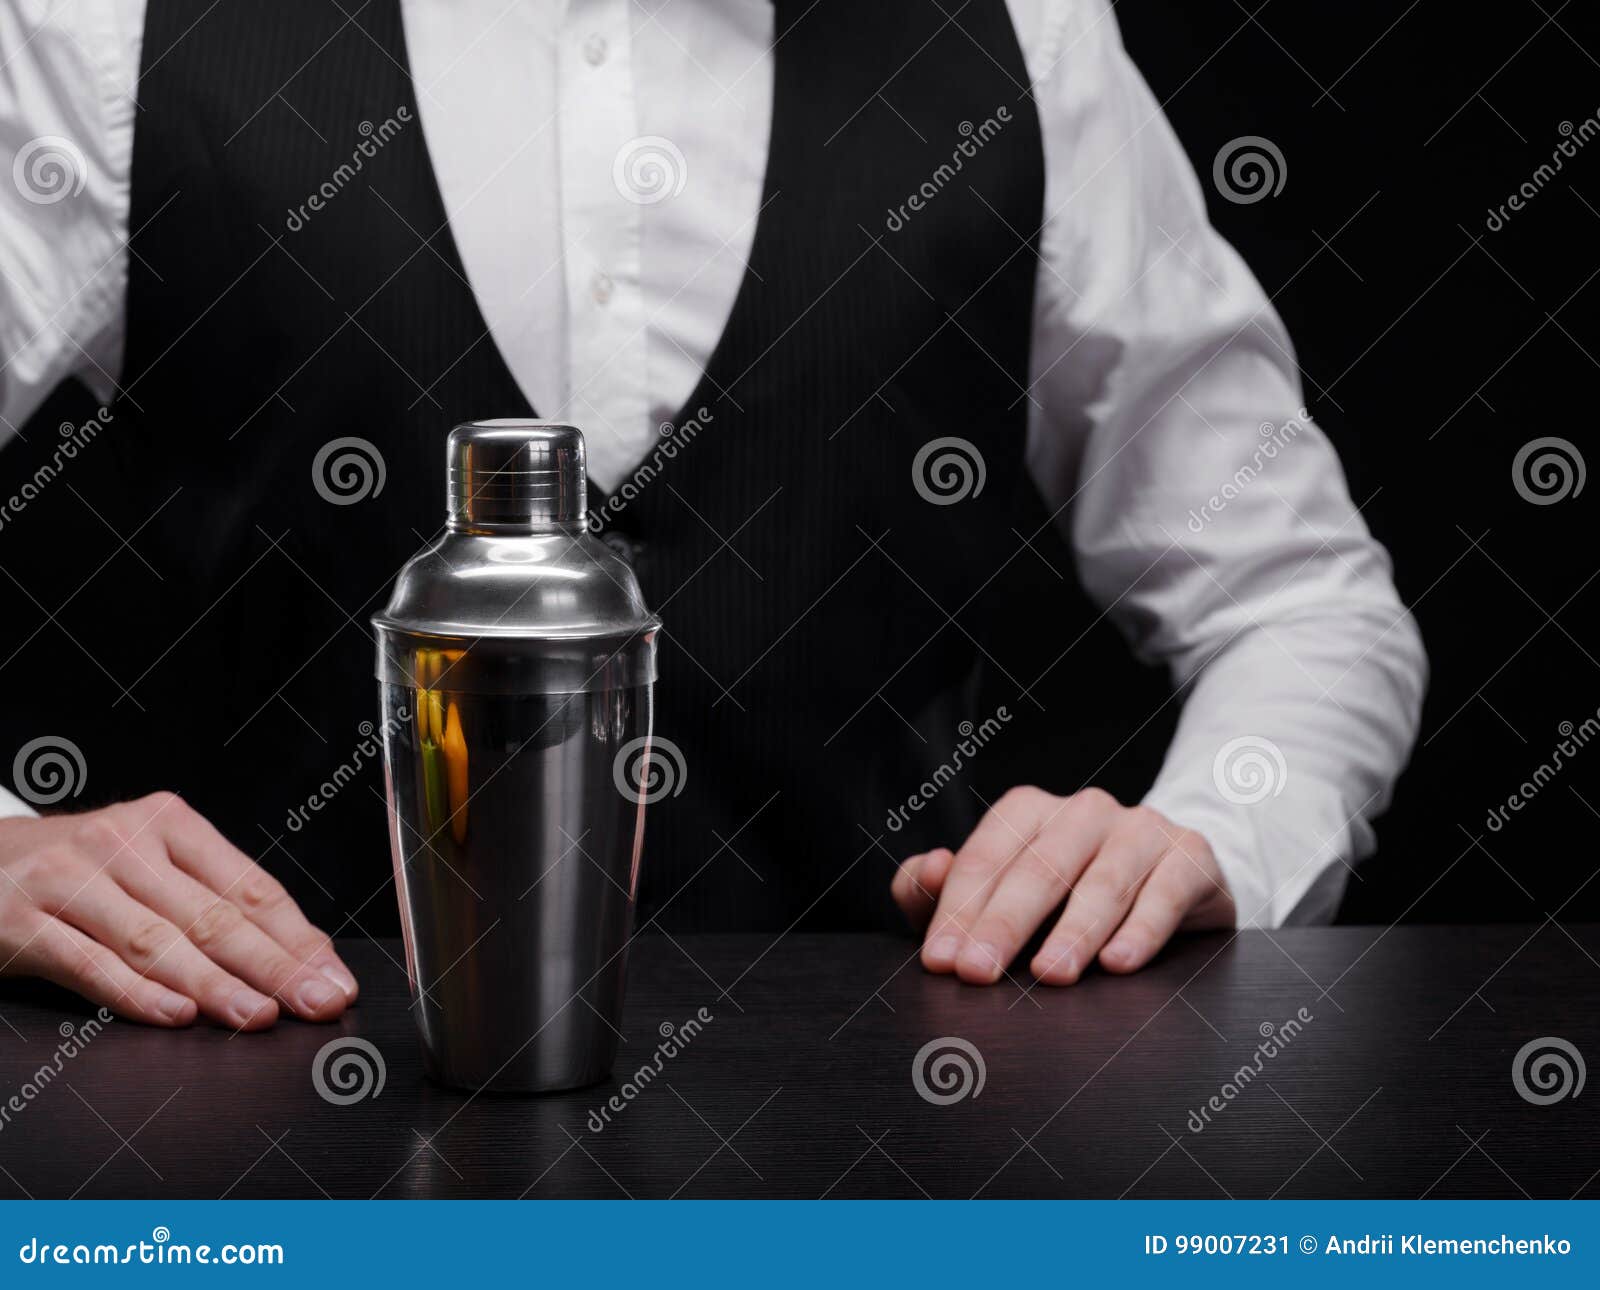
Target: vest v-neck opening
x,y
702,392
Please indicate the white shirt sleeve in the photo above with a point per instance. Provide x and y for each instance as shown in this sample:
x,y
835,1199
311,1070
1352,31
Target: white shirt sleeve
x,y
66,143
1209,518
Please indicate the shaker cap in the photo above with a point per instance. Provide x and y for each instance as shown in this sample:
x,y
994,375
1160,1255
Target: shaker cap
x,y
515,474
516,596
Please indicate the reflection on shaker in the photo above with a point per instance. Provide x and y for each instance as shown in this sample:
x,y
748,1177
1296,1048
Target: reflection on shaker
x,y
442,746
454,747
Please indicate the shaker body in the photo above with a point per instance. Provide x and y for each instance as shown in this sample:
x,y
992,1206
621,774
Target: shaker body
x,y
516,849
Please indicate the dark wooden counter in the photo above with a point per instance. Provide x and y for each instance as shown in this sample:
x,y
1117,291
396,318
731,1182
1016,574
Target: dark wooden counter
x,y
1399,1084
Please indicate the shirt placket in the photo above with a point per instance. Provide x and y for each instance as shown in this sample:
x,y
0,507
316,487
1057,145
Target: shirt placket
x,y
607,393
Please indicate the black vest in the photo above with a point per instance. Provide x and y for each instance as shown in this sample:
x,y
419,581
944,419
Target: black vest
x,y
823,616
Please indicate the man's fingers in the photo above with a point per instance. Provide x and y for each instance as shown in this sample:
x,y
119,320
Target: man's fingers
x,y
200,851
1099,901
1130,878
155,948
917,884
215,926
1028,892
1177,885
1004,830
67,957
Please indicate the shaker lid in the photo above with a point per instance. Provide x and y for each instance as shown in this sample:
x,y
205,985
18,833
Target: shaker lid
x,y
515,473
517,581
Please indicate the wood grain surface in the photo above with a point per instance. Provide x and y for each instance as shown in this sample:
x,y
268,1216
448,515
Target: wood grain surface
x,y
1400,1084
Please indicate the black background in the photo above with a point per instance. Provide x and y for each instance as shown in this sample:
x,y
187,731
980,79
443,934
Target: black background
x,y
1432,349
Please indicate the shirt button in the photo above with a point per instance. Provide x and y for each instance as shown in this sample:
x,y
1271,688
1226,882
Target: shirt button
x,y
600,288
594,50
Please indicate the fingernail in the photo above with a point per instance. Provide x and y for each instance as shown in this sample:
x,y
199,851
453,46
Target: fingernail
x,y
982,959
246,1005
172,1006
340,978
1057,963
941,951
1119,953
314,995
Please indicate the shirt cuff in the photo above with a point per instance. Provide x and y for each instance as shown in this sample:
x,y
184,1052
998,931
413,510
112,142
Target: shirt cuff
x,y
11,805
1284,859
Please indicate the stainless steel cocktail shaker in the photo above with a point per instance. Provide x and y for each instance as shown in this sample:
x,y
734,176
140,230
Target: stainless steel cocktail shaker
x,y
516,661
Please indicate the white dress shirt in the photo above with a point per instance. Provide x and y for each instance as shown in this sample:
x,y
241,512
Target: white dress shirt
x,y
1208,519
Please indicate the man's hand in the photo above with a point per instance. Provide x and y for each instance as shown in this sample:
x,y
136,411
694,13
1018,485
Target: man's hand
x,y
146,909
1130,878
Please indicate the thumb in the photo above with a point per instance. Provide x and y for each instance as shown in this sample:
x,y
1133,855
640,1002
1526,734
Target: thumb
x,y
917,884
